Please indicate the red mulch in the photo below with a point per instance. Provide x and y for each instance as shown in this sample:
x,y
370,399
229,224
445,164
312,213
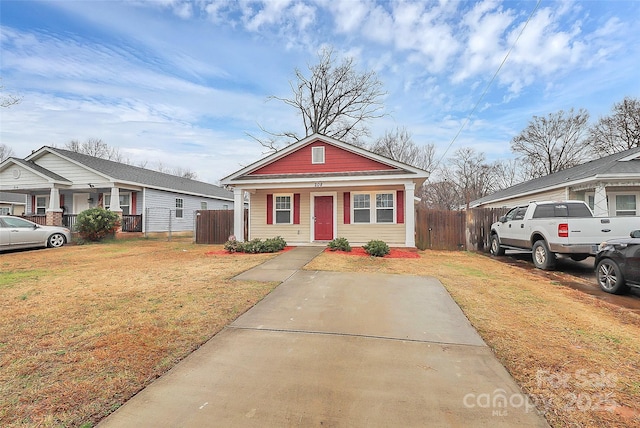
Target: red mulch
x,y
395,253
224,252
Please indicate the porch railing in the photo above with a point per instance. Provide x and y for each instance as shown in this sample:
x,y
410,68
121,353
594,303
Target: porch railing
x,y
36,218
132,223
69,221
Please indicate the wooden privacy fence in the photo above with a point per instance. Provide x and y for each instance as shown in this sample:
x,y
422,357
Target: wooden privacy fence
x,y
455,230
215,226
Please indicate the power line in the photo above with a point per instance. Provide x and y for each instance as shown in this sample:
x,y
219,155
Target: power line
x,y
486,89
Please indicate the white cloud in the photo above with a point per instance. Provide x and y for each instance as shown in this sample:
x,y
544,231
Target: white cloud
x,y
348,15
268,12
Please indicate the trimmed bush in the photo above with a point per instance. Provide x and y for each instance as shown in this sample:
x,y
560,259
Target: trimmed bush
x,y
232,244
255,246
96,223
376,248
340,244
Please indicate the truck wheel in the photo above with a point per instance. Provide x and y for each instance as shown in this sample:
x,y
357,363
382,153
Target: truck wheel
x,y
610,278
496,249
542,257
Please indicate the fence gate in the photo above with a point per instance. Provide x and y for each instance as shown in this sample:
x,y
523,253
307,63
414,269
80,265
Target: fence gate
x,y
440,229
455,230
215,226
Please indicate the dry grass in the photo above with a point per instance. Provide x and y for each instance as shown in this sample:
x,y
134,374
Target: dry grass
x,y
576,356
83,328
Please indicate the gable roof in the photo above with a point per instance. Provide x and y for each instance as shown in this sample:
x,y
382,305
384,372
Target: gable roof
x,y
135,175
38,170
619,165
371,164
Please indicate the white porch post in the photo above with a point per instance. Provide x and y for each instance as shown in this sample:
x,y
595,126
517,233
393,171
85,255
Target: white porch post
x,y
54,200
409,214
238,214
54,212
600,208
114,204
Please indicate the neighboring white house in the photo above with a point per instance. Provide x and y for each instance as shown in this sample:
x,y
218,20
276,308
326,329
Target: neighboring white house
x,y
610,185
12,203
319,188
61,183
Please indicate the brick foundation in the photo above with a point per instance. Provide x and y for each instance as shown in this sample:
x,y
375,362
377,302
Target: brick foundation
x,y
54,218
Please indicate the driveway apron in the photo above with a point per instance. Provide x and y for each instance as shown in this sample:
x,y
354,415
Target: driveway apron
x,y
338,349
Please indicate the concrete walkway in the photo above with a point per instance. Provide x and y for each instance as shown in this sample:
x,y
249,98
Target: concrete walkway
x,y
337,349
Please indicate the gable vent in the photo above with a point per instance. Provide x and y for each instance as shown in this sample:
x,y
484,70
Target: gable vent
x,y
317,154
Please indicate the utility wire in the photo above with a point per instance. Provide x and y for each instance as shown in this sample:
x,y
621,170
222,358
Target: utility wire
x,y
486,89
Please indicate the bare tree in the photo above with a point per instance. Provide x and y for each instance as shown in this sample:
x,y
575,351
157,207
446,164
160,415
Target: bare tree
x,y
440,195
398,145
97,148
5,152
178,172
618,132
334,100
466,177
507,173
552,143
8,100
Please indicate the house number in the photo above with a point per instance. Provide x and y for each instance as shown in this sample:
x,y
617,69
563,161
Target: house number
x,y
318,183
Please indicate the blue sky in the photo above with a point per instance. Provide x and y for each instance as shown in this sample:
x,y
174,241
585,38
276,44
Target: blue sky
x,y
183,83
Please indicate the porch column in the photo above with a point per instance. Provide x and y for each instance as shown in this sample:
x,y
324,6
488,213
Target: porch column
x,y
600,207
409,214
238,214
54,212
114,205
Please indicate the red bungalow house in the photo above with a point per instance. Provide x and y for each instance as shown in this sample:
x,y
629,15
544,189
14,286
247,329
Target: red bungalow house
x,y
319,188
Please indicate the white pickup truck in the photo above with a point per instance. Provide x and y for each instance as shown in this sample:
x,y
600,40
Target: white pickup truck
x,y
550,228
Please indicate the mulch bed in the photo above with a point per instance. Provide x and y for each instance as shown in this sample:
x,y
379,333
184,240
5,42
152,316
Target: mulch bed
x,y
395,253
223,252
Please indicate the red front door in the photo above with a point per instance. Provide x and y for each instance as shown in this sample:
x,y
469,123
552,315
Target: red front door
x,y
323,215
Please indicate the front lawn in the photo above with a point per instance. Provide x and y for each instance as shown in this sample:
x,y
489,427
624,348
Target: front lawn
x,y
576,356
83,328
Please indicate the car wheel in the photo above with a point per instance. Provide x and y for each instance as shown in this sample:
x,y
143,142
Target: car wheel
x,y
496,249
543,258
56,240
610,278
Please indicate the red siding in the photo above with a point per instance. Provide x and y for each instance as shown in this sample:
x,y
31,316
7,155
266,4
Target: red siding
x,y
269,209
336,160
400,202
347,207
296,208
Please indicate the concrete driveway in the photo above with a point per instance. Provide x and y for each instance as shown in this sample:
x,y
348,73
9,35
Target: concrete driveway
x,y
339,349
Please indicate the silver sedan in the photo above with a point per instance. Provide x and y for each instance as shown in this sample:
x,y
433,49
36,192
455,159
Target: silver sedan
x,y
17,233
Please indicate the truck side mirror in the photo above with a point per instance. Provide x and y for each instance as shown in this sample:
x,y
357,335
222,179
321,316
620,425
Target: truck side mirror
x,y
503,219
635,234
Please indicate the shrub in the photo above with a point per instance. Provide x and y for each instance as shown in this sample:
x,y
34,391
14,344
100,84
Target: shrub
x,y
96,223
376,248
269,245
232,245
339,244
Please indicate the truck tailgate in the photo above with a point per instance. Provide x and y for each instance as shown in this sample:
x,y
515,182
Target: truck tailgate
x,y
597,229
